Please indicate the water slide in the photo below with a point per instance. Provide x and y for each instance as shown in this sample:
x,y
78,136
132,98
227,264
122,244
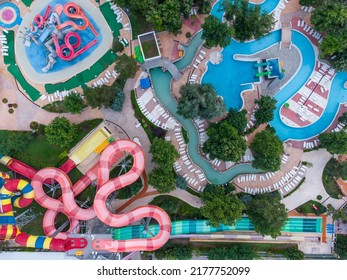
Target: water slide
x,y
263,73
293,225
18,166
106,187
9,197
261,64
72,10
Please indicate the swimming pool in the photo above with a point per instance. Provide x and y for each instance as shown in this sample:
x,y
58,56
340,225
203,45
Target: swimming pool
x,y
230,76
37,54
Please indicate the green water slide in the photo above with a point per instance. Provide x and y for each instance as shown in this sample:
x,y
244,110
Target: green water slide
x,y
298,225
263,73
261,64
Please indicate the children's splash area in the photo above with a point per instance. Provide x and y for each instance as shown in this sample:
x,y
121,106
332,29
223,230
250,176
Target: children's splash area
x,y
9,15
56,37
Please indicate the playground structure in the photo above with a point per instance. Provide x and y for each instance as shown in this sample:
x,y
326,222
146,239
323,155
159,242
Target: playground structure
x,y
22,194
51,28
264,69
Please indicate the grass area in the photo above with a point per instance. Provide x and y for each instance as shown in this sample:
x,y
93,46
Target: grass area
x,y
296,188
307,208
150,48
151,130
332,171
184,210
185,135
139,24
341,246
39,153
55,107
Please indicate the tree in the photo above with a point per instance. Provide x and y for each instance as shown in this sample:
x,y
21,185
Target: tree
x,y
267,214
186,6
224,142
60,132
220,208
312,3
248,21
164,153
343,118
126,66
239,252
162,179
200,100
181,183
99,97
117,46
265,112
237,119
174,252
334,142
267,149
204,6
118,101
14,143
171,15
341,246
216,33
74,103
334,25
293,254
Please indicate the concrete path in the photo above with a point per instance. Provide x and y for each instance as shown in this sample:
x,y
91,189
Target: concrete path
x,y
313,185
185,196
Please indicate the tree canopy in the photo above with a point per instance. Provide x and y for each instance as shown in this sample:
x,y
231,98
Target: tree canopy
x,y
265,112
224,142
174,252
237,252
267,214
216,33
164,155
99,97
334,142
237,119
200,100
74,103
330,18
248,21
293,254
126,66
220,208
267,150
118,100
15,143
60,132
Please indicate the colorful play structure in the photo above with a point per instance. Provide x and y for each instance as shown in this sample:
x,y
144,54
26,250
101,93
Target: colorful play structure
x,y
50,30
19,193
263,72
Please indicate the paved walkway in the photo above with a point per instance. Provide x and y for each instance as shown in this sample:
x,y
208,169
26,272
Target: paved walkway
x,y
313,185
128,122
28,112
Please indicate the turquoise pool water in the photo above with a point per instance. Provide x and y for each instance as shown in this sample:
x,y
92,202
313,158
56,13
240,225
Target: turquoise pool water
x,y
231,77
161,83
37,54
293,225
268,6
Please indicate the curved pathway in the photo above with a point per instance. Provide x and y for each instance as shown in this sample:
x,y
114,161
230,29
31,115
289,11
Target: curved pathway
x,y
313,185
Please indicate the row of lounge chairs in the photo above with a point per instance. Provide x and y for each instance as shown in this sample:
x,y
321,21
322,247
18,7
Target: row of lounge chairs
x,y
3,41
339,127
57,96
311,144
201,56
106,79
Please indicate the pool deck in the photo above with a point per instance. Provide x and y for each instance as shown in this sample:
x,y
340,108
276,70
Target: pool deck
x,y
308,104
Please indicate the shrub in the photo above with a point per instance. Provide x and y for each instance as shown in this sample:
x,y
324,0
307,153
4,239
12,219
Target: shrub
x,y
319,197
188,35
4,100
34,126
11,111
15,105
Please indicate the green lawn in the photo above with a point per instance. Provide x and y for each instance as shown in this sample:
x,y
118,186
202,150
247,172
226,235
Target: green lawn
x,y
150,48
332,171
307,208
185,211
